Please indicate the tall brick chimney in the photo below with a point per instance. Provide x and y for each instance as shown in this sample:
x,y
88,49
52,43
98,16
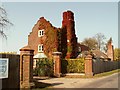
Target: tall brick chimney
x,y
110,49
69,24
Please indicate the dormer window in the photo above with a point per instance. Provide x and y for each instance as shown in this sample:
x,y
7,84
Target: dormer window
x,y
40,33
40,48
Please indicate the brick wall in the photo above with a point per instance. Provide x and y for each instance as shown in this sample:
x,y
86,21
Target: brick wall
x,y
34,40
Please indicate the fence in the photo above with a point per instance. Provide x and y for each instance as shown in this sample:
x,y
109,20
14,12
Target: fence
x,y
13,71
100,65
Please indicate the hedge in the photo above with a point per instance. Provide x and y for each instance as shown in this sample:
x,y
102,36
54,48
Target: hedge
x,y
73,65
45,67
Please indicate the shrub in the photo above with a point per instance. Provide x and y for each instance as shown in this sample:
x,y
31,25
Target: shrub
x,y
44,67
73,66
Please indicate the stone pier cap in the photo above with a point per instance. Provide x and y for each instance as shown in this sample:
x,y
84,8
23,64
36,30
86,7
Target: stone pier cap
x,y
56,53
26,48
88,57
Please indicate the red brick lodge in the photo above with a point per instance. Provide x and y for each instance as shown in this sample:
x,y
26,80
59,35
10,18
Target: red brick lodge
x,y
46,38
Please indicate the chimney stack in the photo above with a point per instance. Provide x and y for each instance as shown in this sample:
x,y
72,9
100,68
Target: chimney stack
x,y
110,50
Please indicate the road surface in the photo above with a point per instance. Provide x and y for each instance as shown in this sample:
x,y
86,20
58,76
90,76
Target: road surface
x,y
110,81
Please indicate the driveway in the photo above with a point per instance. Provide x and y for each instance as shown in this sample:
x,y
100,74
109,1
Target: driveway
x,y
103,82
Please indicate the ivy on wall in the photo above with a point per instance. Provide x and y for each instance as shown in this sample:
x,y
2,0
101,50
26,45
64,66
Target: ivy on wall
x,y
63,42
56,39
51,42
69,49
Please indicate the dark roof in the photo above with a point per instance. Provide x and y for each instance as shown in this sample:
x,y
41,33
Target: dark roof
x,y
94,53
83,47
83,54
99,54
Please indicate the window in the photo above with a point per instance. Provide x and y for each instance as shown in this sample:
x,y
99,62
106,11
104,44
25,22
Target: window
x,y
68,40
79,48
40,33
40,48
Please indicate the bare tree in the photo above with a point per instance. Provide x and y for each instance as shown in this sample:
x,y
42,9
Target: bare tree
x,y
96,42
4,22
100,39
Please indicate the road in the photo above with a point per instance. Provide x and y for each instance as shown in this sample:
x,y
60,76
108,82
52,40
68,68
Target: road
x,y
110,81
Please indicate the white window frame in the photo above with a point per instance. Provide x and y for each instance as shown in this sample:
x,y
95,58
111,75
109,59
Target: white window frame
x,y
40,48
80,49
40,33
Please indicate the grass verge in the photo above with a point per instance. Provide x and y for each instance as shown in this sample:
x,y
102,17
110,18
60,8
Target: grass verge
x,y
106,73
95,76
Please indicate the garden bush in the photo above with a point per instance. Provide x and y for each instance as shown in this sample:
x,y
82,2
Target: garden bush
x,y
44,67
73,66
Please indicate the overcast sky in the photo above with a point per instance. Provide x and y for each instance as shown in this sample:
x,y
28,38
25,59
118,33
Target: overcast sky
x,y
90,18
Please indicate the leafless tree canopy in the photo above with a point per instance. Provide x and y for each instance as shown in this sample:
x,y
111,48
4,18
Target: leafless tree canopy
x,y
96,42
100,39
4,22
90,42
